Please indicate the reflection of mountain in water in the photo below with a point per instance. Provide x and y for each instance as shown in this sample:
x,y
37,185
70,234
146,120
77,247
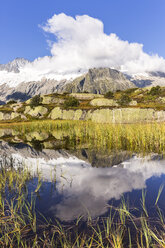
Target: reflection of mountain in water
x,y
80,186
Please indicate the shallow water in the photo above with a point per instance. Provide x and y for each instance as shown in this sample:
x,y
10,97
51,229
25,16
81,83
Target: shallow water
x,y
88,183
81,182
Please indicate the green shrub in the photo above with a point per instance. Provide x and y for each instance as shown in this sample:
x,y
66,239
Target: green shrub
x,y
154,91
71,102
150,98
109,95
35,101
124,100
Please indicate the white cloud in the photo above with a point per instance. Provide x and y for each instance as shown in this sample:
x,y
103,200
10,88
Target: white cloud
x,y
80,43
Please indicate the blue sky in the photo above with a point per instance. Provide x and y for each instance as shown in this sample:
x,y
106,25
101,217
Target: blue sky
x,y
139,21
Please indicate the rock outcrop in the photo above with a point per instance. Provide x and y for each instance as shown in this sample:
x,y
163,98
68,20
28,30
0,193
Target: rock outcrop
x,y
103,102
38,111
106,115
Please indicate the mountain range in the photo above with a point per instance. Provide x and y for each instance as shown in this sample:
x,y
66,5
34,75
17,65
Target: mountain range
x,y
95,80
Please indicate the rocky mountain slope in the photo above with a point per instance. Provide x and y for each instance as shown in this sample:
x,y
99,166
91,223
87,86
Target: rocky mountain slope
x,y
99,81
96,80
24,91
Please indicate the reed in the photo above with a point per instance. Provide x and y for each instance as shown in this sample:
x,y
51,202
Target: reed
x,y
21,225
140,138
20,222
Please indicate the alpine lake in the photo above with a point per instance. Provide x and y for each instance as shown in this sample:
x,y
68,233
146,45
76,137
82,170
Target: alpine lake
x,y
81,184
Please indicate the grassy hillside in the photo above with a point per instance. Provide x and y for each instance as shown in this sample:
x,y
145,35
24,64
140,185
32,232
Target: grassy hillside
x,y
40,107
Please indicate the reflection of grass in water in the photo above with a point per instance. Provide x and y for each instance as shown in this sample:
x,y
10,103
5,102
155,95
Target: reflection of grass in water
x,y
20,226
133,137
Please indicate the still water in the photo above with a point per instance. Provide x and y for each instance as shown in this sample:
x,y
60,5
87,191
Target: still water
x,y
86,182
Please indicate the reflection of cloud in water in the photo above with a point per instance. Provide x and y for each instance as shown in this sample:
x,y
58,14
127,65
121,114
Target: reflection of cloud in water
x,y
86,188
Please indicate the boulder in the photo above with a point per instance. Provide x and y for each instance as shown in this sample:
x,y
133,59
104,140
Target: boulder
x,y
68,114
103,102
85,96
52,99
56,113
38,111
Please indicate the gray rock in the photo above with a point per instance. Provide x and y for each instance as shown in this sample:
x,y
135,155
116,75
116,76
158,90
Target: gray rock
x,y
99,81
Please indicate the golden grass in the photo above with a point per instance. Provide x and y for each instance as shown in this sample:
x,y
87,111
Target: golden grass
x,y
140,138
19,223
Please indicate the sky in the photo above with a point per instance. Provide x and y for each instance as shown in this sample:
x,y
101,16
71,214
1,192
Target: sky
x,y
21,35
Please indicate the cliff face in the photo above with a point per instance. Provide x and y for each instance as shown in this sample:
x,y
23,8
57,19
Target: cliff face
x,y
99,81
106,115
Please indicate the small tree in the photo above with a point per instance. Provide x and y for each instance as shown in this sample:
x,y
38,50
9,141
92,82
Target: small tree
x,y
124,100
109,95
71,102
35,101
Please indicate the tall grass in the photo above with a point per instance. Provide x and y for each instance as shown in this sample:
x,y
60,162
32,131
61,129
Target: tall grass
x,y
143,138
22,226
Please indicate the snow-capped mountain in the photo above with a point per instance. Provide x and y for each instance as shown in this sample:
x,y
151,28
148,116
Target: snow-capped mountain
x,y
21,79
148,79
15,65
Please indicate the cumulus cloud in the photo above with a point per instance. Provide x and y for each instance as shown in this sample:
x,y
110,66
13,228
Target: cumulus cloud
x,y
80,43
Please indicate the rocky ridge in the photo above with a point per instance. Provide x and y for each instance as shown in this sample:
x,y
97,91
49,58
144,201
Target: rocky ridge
x,y
15,65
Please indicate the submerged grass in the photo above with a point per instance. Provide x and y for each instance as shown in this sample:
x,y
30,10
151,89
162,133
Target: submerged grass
x,y
22,226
